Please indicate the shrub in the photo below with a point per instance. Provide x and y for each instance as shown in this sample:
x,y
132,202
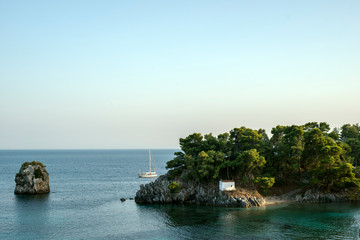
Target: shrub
x,y
38,173
174,187
264,182
33,163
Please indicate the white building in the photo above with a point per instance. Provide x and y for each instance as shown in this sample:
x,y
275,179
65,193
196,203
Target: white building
x,y
226,185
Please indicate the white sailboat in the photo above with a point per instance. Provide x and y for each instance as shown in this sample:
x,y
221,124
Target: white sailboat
x,y
148,174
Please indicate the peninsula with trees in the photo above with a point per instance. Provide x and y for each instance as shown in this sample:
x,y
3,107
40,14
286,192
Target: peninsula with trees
x,y
307,162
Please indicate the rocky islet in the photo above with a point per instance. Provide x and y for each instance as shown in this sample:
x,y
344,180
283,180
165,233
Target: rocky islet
x,y
32,178
193,193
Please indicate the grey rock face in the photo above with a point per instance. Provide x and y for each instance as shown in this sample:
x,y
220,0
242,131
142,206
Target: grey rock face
x,y
193,193
318,197
32,179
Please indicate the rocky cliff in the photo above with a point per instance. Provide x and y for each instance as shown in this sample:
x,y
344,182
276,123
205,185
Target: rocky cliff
x,y
194,193
313,196
32,178
320,197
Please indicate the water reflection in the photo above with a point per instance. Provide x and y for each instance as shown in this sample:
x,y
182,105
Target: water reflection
x,y
185,215
313,221
32,214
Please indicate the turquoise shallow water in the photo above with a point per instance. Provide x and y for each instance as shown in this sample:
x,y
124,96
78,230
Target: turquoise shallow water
x,y
85,204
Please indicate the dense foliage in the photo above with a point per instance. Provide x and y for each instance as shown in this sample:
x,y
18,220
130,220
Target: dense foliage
x,y
265,182
38,173
33,163
309,155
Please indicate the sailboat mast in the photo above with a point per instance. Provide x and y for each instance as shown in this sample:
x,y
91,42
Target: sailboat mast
x,y
150,160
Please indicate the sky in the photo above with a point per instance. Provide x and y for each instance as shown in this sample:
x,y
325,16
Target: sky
x,y
142,74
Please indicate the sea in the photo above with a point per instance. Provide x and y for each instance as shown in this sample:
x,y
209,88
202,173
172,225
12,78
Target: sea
x,y
84,203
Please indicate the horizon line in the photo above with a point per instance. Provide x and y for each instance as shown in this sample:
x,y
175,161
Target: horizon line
x,y
26,149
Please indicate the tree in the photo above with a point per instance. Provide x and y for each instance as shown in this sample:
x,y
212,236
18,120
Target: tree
x,y
350,131
176,165
350,134
206,163
326,161
192,144
243,139
297,154
354,153
249,163
286,158
323,126
314,142
210,143
335,134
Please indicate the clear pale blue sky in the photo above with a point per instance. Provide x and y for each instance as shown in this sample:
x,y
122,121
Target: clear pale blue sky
x,y
142,74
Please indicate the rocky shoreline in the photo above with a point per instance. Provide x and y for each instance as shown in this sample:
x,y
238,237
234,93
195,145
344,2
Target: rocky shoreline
x,y
157,192
309,196
194,193
318,197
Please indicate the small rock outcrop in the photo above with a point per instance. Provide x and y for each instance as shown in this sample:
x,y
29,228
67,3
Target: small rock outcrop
x,y
320,197
193,193
32,178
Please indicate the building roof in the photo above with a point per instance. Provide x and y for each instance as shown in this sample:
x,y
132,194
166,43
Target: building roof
x,y
227,180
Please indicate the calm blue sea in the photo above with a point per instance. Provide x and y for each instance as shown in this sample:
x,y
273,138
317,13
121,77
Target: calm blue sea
x,y
84,203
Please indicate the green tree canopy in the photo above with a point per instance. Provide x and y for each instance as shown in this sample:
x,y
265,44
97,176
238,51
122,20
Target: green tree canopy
x,y
297,154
